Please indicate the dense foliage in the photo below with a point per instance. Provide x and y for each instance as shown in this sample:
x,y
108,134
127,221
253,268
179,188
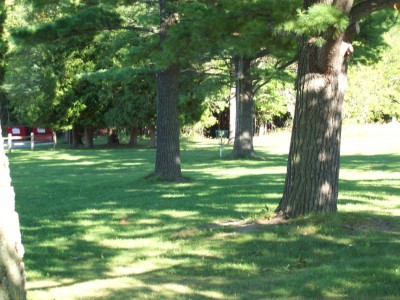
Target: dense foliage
x,y
94,64
376,99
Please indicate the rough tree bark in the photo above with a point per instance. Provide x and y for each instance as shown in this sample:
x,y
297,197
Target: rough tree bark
x,y
243,144
168,162
12,271
312,179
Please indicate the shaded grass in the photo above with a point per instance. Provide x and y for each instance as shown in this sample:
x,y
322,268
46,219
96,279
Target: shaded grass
x,y
94,228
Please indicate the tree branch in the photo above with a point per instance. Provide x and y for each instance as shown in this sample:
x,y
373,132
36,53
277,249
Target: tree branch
x,y
367,7
278,67
262,53
283,66
135,28
257,87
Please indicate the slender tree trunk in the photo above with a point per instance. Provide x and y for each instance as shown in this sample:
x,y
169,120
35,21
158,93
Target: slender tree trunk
x,y
12,270
243,145
312,178
89,136
133,136
152,134
168,162
76,137
3,108
232,100
112,137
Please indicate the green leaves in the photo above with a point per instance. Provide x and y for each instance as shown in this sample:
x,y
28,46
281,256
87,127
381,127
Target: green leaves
x,y
87,21
317,21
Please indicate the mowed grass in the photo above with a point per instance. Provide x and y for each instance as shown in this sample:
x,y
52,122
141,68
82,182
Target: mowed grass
x,y
94,228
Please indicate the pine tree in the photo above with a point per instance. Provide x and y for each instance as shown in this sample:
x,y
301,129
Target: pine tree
x,y
312,178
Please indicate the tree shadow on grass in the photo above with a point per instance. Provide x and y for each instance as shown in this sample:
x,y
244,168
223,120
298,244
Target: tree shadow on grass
x,y
290,261
89,216
379,162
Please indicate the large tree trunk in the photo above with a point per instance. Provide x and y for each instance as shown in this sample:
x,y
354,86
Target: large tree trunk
x,y
243,145
168,162
12,271
313,166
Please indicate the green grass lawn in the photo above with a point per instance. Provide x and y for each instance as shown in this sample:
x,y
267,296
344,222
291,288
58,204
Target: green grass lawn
x,y
94,228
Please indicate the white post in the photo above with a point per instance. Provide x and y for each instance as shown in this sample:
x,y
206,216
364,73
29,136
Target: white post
x,y
54,140
32,141
9,142
220,148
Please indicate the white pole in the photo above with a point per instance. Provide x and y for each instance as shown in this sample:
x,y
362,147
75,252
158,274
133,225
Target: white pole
x,y
54,140
32,140
220,148
9,142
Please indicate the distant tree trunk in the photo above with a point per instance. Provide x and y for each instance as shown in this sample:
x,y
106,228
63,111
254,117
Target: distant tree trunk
x,y
89,136
243,145
152,134
232,100
112,137
313,166
76,137
12,270
3,108
133,136
168,162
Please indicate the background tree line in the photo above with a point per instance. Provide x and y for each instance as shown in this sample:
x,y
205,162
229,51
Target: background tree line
x,y
100,70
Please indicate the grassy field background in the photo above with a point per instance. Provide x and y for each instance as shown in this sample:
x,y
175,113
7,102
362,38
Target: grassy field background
x,y
94,228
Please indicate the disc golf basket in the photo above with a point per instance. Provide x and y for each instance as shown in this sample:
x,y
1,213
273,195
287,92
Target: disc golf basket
x,y
221,135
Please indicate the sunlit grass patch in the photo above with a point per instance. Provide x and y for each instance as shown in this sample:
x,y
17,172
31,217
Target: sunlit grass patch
x,y
94,228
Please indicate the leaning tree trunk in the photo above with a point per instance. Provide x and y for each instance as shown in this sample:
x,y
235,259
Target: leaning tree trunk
x,y
168,162
12,271
243,145
312,177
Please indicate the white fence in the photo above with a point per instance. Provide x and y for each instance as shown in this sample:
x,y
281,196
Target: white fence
x,y
12,141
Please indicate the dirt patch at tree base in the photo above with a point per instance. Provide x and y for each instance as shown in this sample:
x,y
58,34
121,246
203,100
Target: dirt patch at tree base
x,y
242,226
